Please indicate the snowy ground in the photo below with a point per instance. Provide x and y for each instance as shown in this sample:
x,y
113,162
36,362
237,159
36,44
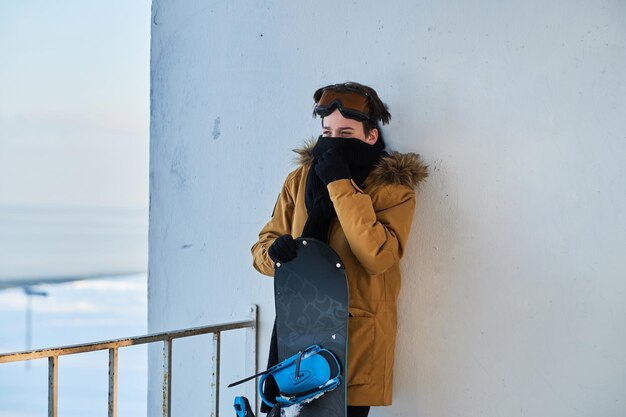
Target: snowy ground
x,y
72,313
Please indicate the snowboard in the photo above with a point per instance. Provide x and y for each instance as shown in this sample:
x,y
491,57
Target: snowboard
x,y
311,296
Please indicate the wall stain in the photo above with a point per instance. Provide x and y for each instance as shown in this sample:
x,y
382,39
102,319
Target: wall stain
x,y
216,129
178,165
155,7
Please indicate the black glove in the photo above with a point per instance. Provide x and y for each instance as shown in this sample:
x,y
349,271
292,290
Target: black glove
x,y
283,249
332,166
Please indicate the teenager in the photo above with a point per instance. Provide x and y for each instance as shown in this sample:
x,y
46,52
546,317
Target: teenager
x,y
349,192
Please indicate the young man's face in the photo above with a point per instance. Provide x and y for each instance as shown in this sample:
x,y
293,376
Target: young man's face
x,y
335,125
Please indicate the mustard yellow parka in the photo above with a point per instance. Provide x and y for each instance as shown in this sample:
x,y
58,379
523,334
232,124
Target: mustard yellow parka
x,y
369,235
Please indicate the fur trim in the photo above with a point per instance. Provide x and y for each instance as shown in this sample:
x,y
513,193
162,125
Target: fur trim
x,y
305,153
396,168
400,168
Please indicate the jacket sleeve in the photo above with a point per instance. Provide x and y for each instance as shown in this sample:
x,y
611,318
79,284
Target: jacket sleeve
x,y
279,224
376,237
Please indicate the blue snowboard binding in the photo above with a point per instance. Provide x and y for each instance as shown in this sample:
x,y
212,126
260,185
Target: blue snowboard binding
x,y
242,407
301,377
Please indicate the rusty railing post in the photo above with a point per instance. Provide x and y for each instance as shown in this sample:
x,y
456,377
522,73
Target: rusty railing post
x,y
215,382
113,382
53,379
167,378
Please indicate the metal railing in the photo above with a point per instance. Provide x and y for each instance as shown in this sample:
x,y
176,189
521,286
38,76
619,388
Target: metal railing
x,y
166,337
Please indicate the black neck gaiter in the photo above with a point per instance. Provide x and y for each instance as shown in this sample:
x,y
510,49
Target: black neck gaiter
x,y
361,158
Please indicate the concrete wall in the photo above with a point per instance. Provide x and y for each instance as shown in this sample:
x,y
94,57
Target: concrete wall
x,y
513,290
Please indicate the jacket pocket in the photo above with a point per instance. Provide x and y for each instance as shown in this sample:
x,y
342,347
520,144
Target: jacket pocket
x,y
361,335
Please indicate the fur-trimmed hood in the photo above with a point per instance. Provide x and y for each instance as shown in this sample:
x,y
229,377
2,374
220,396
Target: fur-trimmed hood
x,y
394,168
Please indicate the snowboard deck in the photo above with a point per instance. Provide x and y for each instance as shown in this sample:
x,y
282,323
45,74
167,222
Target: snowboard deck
x,y
311,295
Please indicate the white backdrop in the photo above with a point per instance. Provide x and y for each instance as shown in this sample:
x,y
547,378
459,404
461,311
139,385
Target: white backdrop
x,y
513,288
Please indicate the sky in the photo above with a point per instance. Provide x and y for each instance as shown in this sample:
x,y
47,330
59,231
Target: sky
x,y
74,154
74,103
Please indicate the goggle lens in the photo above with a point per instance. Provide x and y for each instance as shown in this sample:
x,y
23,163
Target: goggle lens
x,y
349,103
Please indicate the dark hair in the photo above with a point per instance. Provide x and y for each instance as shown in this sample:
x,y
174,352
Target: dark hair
x,y
377,109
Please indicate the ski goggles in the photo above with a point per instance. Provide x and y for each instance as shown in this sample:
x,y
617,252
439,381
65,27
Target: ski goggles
x,y
351,102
